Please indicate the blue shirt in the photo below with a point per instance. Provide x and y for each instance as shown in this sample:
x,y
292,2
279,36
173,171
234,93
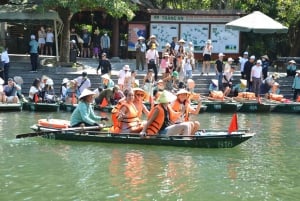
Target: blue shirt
x,y
33,47
296,83
84,112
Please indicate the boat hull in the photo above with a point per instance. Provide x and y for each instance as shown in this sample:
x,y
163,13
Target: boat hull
x,y
11,106
42,107
256,107
209,139
287,108
221,106
106,109
68,107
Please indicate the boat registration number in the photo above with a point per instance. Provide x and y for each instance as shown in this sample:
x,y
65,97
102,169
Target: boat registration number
x,y
225,144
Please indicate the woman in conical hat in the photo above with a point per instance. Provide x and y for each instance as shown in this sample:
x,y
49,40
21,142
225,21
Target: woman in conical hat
x,y
84,112
160,124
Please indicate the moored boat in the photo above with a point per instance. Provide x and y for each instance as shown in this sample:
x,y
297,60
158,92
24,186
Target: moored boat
x,y
10,106
43,107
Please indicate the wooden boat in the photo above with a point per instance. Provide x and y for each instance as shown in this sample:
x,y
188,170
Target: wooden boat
x,y
68,107
293,107
207,139
221,106
11,106
43,107
253,106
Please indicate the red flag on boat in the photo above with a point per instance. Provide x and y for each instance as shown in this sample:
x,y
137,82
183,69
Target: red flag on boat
x,y
73,99
104,103
36,98
233,124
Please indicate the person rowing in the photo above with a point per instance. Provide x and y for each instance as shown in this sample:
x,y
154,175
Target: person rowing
x,y
162,118
84,112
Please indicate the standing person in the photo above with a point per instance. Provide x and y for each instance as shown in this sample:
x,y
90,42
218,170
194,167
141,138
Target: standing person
x,y
96,40
83,82
296,85
265,65
5,61
123,74
105,43
49,41
206,57
151,41
247,71
73,51
63,89
188,66
148,82
227,81
74,36
152,58
140,48
256,79
33,51
219,69
86,37
228,65
104,65
179,53
242,61
291,68
84,112
41,39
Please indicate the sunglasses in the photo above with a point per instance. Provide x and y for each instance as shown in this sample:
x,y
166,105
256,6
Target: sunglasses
x,y
141,95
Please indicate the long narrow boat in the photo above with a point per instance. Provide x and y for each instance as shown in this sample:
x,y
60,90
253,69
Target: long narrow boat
x,y
43,107
207,139
221,106
11,106
107,108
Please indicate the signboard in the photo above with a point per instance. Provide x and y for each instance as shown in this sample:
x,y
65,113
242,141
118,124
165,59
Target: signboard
x,y
224,40
163,33
193,18
195,33
134,32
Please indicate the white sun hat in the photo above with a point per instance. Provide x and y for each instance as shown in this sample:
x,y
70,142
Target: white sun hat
x,y
86,92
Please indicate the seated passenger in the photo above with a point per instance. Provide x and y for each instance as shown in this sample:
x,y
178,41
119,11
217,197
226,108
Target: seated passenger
x,y
72,93
291,68
35,91
162,119
107,82
182,104
242,87
112,96
10,91
275,89
268,83
48,92
128,115
214,85
84,112
2,95
139,95
63,89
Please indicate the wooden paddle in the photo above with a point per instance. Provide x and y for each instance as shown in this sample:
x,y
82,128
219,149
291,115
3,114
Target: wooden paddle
x,y
45,132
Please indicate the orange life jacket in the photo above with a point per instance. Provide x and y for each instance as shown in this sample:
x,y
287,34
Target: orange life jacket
x,y
248,95
176,106
298,99
217,95
157,123
131,121
276,97
114,118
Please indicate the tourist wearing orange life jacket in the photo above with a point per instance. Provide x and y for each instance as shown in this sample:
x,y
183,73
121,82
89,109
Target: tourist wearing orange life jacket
x,y
128,115
161,119
182,104
139,95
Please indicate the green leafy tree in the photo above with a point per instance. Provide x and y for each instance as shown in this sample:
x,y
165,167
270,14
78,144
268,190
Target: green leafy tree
x,y
67,8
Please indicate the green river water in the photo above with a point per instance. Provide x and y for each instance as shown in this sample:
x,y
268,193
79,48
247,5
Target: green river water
x,y
265,167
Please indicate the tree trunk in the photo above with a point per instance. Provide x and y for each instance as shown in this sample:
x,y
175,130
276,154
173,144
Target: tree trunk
x,y
295,42
66,17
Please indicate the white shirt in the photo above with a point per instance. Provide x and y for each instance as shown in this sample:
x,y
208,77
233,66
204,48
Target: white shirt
x,y
85,85
207,49
49,37
32,91
152,54
187,64
242,62
5,57
256,71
